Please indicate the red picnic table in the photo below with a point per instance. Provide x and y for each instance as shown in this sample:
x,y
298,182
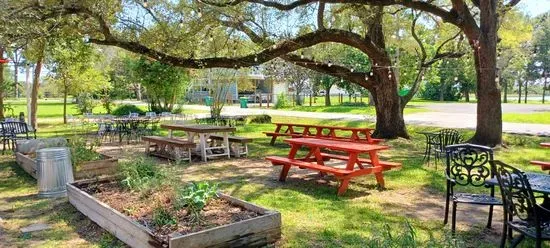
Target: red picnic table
x,y
358,134
543,165
314,160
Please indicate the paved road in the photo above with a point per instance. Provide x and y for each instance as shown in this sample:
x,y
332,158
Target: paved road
x,y
447,115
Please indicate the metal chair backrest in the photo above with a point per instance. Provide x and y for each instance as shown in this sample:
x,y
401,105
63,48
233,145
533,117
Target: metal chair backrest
x,y
133,115
468,164
519,200
15,127
151,114
448,137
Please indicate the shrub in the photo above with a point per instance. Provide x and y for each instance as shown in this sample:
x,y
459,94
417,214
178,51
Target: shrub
x,y
126,109
85,103
260,119
282,101
80,152
141,174
195,197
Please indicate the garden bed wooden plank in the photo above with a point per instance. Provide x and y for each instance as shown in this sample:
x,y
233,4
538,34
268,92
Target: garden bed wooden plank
x,y
121,226
254,232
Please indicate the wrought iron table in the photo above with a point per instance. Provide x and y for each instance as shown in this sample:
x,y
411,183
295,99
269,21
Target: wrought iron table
x,y
540,183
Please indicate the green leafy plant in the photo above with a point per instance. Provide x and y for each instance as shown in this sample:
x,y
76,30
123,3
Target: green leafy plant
x,y
260,119
282,101
126,109
163,217
81,151
140,174
194,198
85,103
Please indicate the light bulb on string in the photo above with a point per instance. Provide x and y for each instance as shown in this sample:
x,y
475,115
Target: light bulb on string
x,y
145,4
423,78
211,38
341,80
389,76
352,69
456,79
302,55
181,23
371,73
366,78
86,38
329,63
199,13
256,59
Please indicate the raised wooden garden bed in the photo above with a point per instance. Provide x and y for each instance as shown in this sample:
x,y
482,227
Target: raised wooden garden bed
x,y
258,231
106,166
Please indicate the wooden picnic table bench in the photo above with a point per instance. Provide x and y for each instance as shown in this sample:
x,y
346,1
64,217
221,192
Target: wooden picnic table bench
x,y
171,148
543,165
238,145
358,134
314,160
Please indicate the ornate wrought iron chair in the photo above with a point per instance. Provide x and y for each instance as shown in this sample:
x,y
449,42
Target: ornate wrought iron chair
x,y
521,211
468,166
446,137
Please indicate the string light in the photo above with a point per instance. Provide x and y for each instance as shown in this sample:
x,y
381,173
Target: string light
x,y
366,78
456,79
352,69
371,73
199,13
329,63
86,38
145,4
181,23
302,55
256,59
211,37
341,80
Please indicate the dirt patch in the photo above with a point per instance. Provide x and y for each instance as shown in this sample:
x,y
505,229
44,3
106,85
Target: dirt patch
x,y
142,209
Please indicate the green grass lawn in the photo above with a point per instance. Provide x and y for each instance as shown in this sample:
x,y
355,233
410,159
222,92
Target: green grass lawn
x,y
312,214
539,118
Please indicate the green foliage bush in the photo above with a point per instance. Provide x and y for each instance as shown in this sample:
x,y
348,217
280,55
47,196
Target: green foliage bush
x,y
260,119
194,198
126,109
141,174
431,92
282,101
81,152
85,103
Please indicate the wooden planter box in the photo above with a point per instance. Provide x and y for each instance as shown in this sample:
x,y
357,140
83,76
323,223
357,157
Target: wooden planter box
x,y
255,232
106,166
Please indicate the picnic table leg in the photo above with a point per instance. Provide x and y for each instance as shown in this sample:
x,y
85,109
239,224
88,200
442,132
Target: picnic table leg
x,y
376,163
226,144
277,129
343,186
202,144
286,167
319,159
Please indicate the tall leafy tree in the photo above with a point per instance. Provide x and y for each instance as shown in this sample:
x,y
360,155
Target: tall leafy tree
x,y
71,63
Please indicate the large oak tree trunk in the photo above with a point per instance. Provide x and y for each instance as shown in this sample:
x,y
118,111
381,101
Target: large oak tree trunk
x,y
35,87
390,123
489,111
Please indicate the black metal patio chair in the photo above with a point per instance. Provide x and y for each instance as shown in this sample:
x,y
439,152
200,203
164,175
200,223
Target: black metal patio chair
x,y
468,166
445,137
522,213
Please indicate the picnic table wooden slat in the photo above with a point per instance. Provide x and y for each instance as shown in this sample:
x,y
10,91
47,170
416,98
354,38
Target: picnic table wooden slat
x,y
198,128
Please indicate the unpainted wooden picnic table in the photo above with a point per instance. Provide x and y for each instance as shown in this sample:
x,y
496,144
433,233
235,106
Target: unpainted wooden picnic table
x,y
314,160
203,132
358,134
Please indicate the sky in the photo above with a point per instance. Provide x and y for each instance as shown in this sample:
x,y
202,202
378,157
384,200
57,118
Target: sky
x,y
535,7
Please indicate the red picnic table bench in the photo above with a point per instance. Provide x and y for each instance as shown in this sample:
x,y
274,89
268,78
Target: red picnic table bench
x,y
314,160
543,165
358,134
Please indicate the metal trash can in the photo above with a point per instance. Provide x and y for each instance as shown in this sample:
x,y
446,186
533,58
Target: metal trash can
x,y
244,102
54,171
